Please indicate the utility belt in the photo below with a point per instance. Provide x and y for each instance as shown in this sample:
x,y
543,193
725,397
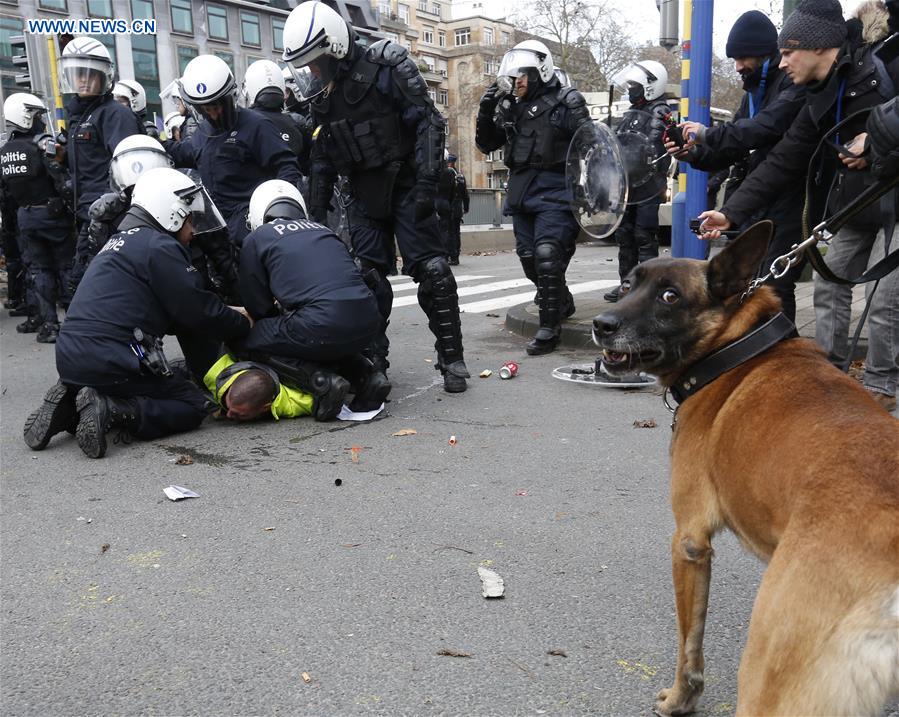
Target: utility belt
x,y
54,205
148,350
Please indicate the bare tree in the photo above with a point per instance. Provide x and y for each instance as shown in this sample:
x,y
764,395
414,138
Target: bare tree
x,y
727,87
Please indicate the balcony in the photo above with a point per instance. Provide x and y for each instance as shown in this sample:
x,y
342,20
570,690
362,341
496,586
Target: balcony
x,y
435,11
432,76
393,22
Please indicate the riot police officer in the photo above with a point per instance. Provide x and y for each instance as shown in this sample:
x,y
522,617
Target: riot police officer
x,y
642,130
235,149
140,287
452,204
312,309
264,90
376,125
35,192
131,93
96,125
536,123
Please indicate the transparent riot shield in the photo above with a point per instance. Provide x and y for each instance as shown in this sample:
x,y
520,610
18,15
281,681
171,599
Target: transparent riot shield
x,y
596,177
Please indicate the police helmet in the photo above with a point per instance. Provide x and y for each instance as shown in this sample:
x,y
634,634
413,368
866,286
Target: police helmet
x,y
648,74
83,60
527,55
20,109
132,157
133,93
275,199
263,77
169,197
318,37
172,121
208,81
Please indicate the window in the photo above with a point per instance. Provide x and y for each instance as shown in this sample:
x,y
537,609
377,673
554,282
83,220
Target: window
x,y
432,93
392,36
218,22
443,97
53,5
488,35
185,55
506,37
441,38
429,61
384,9
99,8
9,26
463,36
142,10
437,10
427,35
146,70
109,43
249,29
403,12
182,19
228,57
491,66
278,33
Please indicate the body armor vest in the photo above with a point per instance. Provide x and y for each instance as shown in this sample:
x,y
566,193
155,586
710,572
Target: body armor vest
x,y
534,142
362,129
22,164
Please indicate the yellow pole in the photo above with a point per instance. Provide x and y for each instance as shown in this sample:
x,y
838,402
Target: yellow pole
x,y
54,79
685,80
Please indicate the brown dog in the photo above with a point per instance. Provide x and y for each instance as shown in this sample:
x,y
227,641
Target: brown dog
x,y
798,461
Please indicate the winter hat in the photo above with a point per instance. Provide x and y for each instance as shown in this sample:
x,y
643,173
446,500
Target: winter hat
x,y
753,35
814,24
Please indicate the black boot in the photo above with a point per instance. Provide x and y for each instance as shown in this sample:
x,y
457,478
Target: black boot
x,y
48,333
327,388
568,304
31,325
613,295
547,337
16,307
56,414
370,388
438,298
99,414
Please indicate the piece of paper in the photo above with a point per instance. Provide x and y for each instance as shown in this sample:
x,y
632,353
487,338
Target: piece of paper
x,y
492,585
347,415
177,492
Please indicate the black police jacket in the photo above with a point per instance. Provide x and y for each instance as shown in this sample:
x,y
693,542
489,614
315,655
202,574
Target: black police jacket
x,y
233,163
96,126
290,130
142,278
452,194
305,267
28,178
858,83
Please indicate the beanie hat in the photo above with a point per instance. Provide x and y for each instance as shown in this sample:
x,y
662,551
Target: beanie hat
x,y
814,24
753,35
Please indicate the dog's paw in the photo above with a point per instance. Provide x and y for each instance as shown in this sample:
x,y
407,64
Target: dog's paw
x,y
671,701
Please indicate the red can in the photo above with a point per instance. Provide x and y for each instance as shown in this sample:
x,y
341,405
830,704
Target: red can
x,y
508,370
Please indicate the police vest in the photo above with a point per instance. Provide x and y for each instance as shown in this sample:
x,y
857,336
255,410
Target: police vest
x,y
362,128
535,142
22,165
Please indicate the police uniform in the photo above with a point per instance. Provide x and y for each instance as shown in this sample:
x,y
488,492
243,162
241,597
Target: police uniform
x,y
33,189
537,132
380,129
233,163
325,310
142,278
96,126
452,204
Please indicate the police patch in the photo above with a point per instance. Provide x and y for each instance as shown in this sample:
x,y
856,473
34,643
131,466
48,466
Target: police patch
x,y
201,88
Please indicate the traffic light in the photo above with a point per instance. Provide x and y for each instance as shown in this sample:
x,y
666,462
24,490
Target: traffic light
x,y
21,61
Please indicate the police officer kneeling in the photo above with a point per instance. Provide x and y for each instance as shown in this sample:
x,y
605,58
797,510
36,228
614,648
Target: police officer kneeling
x,y
140,286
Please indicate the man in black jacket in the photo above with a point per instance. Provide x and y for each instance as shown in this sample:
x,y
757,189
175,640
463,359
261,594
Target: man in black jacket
x,y
142,279
841,79
452,205
766,112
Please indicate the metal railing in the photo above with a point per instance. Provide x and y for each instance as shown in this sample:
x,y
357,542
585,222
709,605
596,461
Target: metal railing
x,y
485,206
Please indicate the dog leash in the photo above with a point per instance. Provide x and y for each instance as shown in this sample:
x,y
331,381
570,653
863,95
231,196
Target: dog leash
x,y
728,357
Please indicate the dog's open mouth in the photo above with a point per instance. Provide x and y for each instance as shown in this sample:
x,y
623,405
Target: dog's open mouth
x,y
620,361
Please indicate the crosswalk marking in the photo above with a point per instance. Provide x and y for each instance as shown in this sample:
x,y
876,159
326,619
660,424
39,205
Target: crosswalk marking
x,y
513,299
409,285
469,290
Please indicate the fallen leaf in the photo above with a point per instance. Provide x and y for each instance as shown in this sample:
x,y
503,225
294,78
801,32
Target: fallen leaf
x,y
104,547
354,453
449,652
184,460
351,545
406,432
486,373
648,423
268,529
556,652
306,678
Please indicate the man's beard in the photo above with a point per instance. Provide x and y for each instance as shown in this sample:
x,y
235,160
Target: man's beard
x,y
751,79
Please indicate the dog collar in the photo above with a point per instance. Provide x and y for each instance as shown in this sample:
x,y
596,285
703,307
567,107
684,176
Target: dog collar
x,y
707,369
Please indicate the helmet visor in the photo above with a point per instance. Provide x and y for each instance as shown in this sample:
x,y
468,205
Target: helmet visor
x,y
204,215
84,75
517,62
300,82
631,75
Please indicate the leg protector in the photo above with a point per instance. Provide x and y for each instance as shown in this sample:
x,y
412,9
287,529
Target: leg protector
x,y
552,290
97,415
438,299
530,272
376,279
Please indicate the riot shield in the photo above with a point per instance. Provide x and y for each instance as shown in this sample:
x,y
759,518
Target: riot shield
x,y
646,163
596,177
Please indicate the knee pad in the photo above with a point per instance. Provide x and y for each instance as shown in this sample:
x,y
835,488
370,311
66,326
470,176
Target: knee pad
x,y
436,277
548,258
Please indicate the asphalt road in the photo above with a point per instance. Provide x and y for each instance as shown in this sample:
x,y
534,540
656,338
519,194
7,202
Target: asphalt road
x,y
116,600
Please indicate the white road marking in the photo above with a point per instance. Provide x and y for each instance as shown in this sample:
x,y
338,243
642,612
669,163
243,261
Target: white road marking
x,y
513,299
469,290
409,285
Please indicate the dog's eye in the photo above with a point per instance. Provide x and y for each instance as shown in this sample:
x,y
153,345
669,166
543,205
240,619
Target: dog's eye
x,y
624,288
669,296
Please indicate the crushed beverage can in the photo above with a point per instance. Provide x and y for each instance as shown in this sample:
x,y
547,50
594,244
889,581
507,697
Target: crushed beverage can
x,y
508,370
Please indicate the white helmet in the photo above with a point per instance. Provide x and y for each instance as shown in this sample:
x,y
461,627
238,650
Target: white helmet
x,y
132,157
275,199
20,109
649,74
262,75
206,78
133,92
82,57
317,36
169,197
530,54
172,121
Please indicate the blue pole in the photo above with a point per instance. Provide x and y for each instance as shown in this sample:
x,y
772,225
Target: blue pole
x,y
700,99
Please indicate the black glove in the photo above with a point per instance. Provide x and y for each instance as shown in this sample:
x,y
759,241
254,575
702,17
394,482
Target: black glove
x,y
424,202
489,100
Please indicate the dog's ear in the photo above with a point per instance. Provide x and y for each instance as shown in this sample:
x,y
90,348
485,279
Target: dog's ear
x,y
731,270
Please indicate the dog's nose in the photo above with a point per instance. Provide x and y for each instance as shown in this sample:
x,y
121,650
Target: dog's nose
x,y
606,324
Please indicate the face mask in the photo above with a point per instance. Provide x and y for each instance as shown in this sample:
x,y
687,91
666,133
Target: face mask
x,y
635,94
